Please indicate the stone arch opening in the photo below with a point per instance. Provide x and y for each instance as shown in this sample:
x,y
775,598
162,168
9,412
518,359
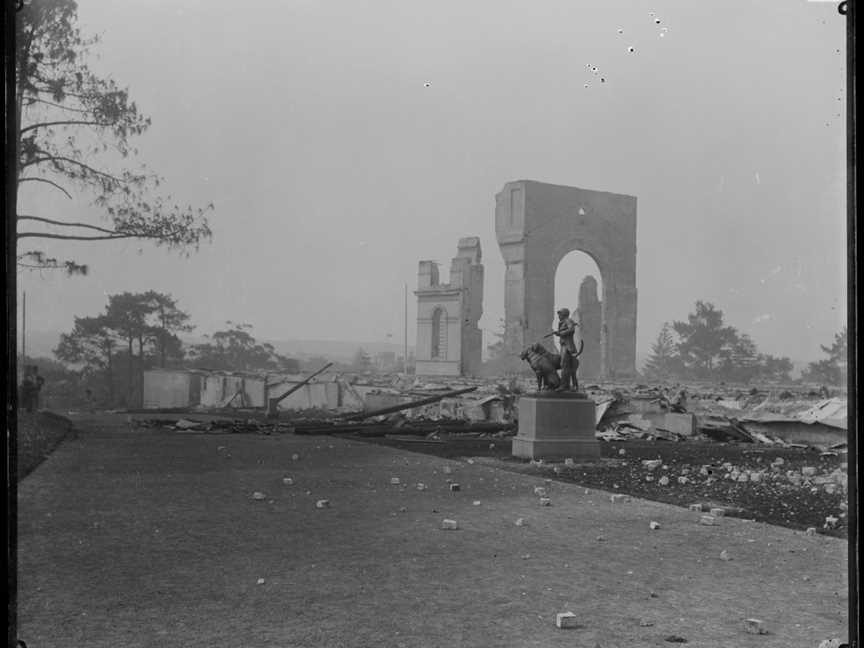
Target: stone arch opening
x,y
578,287
537,225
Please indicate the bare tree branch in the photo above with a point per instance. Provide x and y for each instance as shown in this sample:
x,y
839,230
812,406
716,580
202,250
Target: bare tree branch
x,y
60,158
82,238
116,235
66,224
32,100
65,123
50,182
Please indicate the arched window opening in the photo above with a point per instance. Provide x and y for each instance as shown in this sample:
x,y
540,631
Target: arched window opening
x,y
439,334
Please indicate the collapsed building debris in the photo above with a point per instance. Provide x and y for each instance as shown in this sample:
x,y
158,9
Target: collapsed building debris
x,y
273,403
426,410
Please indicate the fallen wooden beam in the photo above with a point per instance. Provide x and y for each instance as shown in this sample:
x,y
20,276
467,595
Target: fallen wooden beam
x,y
410,405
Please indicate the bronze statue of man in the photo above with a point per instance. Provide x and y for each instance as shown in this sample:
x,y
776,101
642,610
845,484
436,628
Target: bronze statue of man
x,y
566,332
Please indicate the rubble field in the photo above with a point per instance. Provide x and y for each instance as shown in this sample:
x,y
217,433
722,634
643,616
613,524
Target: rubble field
x,y
696,474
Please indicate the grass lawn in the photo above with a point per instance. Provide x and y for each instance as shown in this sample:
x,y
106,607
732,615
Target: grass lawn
x,y
131,537
38,435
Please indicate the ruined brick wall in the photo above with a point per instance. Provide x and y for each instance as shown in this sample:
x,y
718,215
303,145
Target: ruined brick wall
x,y
461,300
536,225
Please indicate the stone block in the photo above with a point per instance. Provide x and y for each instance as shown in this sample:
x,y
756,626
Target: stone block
x,y
708,520
717,512
322,504
684,424
555,427
566,620
449,525
696,507
654,525
545,501
652,464
454,487
395,481
811,531
619,498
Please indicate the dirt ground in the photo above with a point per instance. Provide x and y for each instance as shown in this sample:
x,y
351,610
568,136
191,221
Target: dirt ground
x,y
131,537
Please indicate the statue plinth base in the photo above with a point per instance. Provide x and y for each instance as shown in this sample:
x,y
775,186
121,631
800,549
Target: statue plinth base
x,y
556,425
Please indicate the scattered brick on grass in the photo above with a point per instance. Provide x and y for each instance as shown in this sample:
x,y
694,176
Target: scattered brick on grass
x,y
754,626
566,620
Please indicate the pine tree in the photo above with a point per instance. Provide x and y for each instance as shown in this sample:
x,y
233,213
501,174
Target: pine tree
x,y
663,362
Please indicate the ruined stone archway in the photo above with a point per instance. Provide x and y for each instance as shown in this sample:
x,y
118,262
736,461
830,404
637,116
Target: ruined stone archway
x,y
536,225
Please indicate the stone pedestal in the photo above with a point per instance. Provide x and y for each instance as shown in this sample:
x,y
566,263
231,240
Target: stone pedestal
x,y
556,426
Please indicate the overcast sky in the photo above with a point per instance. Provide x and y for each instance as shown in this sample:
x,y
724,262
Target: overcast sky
x,y
343,141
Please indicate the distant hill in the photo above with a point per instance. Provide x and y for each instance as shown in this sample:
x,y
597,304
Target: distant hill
x,y
338,350
43,343
335,350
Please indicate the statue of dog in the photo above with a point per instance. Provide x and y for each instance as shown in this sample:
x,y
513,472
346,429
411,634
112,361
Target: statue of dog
x,y
545,365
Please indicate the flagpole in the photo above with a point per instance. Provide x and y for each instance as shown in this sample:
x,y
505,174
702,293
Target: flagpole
x,y
24,330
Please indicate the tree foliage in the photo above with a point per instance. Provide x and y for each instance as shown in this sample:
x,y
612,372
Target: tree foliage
x,y
663,362
74,133
831,370
234,349
134,331
91,344
707,349
703,340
